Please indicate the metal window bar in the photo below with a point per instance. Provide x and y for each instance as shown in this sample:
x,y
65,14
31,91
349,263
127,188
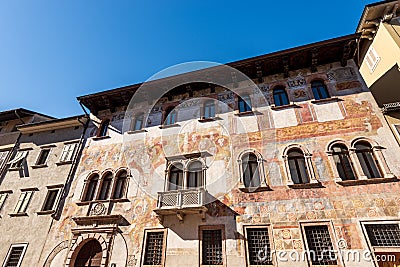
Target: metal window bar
x,y
383,235
320,245
259,246
212,247
154,248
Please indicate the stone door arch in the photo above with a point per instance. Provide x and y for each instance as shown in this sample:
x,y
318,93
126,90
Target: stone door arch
x,y
89,255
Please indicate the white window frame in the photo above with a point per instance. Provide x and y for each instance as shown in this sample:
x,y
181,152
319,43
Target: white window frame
x,y
369,58
3,156
40,154
24,245
23,201
69,151
3,198
396,131
17,161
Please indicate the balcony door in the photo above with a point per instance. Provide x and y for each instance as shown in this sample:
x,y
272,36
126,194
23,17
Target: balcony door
x,y
195,175
176,177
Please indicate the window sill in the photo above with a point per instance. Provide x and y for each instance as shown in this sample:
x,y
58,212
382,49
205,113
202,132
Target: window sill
x,y
15,169
284,107
96,138
245,113
137,131
209,119
19,214
84,203
169,126
367,181
63,162
39,166
254,189
326,100
306,186
45,212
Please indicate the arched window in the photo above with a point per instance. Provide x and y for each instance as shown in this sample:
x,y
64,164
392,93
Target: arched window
x,y
120,185
90,255
297,166
170,116
195,174
176,177
342,161
103,129
251,175
319,90
209,109
280,96
105,186
139,122
368,162
244,103
91,187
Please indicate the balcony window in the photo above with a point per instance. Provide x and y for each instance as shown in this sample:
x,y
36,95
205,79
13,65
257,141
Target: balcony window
x,y
280,96
368,162
176,177
244,103
251,175
297,166
343,162
195,175
91,187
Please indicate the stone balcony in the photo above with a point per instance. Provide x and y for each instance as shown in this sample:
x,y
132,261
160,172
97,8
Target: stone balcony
x,y
182,202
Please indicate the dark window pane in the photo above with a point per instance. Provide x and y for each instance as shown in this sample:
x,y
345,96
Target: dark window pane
x,y
120,185
50,199
367,160
105,187
44,153
176,177
280,97
244,104
251,176
209,110
342,161
319,90
138,122
297,167
195,175
91,188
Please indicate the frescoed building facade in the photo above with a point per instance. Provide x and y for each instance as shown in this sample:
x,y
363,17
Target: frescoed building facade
x,y
296,157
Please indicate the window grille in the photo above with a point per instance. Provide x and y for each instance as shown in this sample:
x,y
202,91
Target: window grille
x,y
320,245
383,235
154,248
212,247
259,247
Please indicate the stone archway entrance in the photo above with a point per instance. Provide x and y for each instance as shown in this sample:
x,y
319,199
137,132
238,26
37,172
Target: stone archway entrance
x,y
89,255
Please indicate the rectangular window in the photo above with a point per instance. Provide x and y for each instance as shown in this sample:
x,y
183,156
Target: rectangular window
x,y
43,155
319,244
15,255
17,161
258,246
3,157
372,58
154,247
50,200
3,197
383,235
23,202
211,247
68,152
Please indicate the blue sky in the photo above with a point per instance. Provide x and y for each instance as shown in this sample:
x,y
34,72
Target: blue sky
x,y
53,51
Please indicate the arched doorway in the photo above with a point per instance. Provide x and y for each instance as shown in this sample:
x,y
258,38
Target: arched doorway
x,y
89,255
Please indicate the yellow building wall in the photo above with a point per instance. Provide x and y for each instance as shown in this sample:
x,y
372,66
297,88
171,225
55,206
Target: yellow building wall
x,y
387,44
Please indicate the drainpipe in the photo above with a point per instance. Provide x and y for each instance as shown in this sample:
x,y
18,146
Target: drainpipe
x,y
64,193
